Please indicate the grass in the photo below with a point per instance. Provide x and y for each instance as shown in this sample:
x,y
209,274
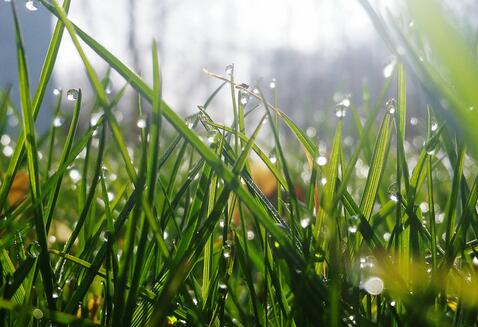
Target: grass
x,y
191,222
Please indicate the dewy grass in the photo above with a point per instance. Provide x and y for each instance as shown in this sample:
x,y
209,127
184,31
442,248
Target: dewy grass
x,y
176,228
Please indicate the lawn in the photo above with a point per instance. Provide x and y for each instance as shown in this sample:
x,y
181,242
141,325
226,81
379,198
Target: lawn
x,y
185,221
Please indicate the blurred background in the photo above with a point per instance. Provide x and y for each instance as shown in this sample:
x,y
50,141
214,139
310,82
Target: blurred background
x,y
314,50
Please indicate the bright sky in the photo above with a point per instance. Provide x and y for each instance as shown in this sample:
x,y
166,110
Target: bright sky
x,y
213,33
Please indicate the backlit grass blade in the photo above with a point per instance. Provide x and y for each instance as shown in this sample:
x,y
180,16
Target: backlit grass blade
x,y
376,168
32,156
50,207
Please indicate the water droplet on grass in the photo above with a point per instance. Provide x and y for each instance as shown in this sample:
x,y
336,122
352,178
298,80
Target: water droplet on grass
x,y
7,151
95,118
30,5
37,314
391,106
272,83
5,139
109,87
354,222
141,123
393,192
74,175
475,261
386,236
56,293
305,222
250,235
389,68
229,69
56,92
373,285
434,127
321,160
72,94
424,207
58,121
439,218
34,249
211,136
244,98
341,108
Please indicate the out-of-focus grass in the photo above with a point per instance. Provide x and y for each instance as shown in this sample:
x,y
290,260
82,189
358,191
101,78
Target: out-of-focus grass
x,y
201,225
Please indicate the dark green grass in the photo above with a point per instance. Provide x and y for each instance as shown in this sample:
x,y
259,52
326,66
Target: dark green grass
x,y
169,224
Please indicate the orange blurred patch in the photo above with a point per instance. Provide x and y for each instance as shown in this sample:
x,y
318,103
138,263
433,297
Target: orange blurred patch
x,y
265,181
263,177
19,189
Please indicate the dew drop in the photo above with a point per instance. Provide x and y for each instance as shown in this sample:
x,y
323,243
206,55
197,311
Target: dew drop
x,y
311,132
226,250
413,121
34,249
190,123
305,222
141,123
272,83
211,137
321,160
5,139
229,69
389,68
72,94
58,121
341,108
74,175
273,159
7,151
387,236
431,150
250,235
434,127
424,207
475,261
373,285
109,87
223,287
30,5
244,98
439,218
393,303
56,92
56,293
95,118
391,106
354,222
37,314
393,192
323,181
